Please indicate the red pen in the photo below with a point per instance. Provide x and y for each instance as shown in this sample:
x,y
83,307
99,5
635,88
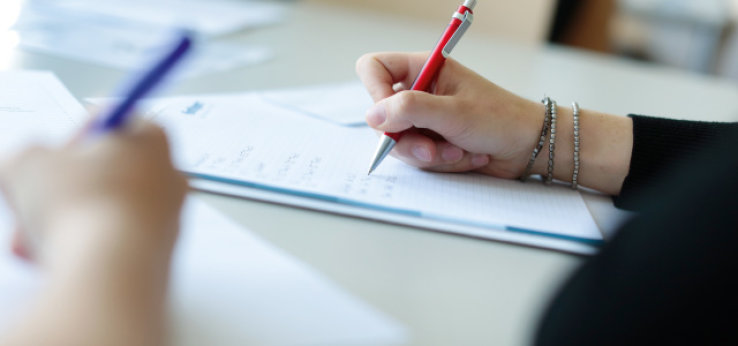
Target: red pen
x,y
460,21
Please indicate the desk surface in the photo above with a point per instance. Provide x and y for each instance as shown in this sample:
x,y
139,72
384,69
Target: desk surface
x,y
446,289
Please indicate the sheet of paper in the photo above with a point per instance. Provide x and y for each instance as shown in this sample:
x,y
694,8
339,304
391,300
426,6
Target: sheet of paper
x,y
129,47
343,103
229,287
338,103
35,107
248,141
476,232
205,17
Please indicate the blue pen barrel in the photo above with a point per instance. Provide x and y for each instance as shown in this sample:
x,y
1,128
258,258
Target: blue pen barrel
x,y
144,85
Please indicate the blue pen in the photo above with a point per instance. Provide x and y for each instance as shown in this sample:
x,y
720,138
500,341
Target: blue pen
x,y
118,115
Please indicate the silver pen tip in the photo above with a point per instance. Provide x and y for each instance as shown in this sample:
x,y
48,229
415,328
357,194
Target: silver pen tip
x,y
386,144
374,165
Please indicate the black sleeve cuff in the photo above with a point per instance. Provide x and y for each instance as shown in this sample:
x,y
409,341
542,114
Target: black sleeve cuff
x,y
660,145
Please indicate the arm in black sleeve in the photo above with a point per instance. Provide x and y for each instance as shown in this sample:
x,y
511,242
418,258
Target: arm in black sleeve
x,y
667,277
659,145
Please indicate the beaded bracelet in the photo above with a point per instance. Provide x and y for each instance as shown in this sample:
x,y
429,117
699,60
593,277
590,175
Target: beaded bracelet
x,y
551,144
575,175
544,132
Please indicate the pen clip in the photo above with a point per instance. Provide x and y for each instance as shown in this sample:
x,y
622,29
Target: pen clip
x,y
466,22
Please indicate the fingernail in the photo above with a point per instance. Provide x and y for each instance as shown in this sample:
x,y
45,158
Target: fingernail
x,y
452,154
422,154
479,160
376,115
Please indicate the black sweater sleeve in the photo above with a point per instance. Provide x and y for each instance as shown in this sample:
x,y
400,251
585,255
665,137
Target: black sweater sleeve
x,y
659,145
667,277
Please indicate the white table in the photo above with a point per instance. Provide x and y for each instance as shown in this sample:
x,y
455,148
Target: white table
x,y
448,290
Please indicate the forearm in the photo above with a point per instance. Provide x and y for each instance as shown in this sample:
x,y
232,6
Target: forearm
x,y
606,143
82,314
109,294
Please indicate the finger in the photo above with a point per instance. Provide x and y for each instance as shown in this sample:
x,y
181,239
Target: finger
x,y
423,152
136,124
469,162
400,87
417,109
141,126
416,149
154,135
138,131
381,72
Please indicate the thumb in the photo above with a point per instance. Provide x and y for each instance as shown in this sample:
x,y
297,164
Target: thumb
x,y
419,109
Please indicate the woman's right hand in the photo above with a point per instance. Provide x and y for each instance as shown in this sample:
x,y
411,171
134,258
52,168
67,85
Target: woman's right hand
x,y
467,123
464,123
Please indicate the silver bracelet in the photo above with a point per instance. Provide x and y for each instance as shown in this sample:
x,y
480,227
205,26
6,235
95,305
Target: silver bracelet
x,y
544,132
551,144
575,175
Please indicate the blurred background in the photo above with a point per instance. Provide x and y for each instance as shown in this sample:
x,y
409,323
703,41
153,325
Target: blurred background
x,y
700,36
688,34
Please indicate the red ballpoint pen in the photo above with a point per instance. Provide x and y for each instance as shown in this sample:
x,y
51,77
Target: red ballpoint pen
x,y
460,21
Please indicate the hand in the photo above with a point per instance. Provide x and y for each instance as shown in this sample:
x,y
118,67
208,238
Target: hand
x,y
118,186
465,122
100,216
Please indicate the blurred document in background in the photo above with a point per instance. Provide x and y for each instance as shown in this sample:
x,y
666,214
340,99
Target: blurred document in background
x,y
326,102
127,34
35,107
204,17
342,104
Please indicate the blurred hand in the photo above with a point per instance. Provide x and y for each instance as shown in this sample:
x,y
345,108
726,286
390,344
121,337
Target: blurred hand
x,y
121,182
465,122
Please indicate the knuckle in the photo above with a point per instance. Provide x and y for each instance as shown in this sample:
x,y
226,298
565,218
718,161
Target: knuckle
x,y
158,132
154,132
363,60
453,63
406,102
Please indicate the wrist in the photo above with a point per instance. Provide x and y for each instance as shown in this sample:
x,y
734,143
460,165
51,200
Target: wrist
x,y
100,232
605,150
